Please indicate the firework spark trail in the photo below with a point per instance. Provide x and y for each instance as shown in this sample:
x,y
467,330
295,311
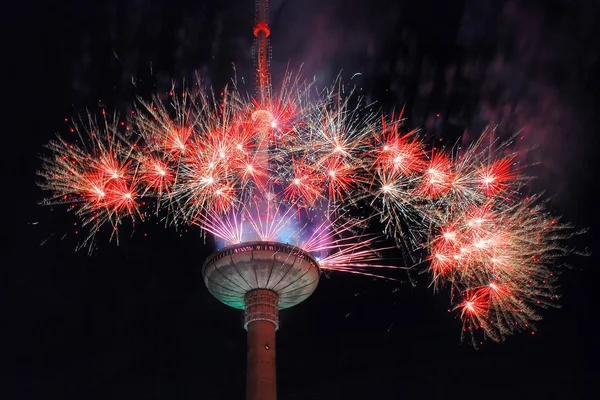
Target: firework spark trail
x,y
356,255
316,169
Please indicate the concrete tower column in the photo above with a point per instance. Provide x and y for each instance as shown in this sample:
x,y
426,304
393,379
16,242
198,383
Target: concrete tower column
x,y
261,320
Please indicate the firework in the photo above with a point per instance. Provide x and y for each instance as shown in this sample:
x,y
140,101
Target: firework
x,y
99,178
317,169
498,259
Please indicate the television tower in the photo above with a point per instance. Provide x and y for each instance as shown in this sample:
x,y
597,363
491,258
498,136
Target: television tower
x,y
261,277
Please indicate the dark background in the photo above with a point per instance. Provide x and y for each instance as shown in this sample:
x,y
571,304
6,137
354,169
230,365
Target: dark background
x,y
134,321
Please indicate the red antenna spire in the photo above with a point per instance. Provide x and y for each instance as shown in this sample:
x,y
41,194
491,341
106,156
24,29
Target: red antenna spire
x,y
261,33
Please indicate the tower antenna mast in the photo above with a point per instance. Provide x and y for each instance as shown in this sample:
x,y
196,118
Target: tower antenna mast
x,y
263,50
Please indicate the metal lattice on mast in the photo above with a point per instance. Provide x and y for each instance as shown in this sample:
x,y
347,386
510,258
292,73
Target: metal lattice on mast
x,y
263,50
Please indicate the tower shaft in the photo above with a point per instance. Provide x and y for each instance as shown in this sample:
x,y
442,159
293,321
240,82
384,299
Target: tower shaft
x,y
261,33
261,320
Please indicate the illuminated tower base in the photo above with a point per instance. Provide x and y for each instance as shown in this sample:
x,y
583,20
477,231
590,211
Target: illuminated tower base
x,y
261,278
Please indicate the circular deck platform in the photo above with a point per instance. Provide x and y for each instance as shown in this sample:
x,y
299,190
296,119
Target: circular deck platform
x,y
285,269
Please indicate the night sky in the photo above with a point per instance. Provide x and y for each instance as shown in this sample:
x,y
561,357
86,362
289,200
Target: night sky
x,y
135,321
